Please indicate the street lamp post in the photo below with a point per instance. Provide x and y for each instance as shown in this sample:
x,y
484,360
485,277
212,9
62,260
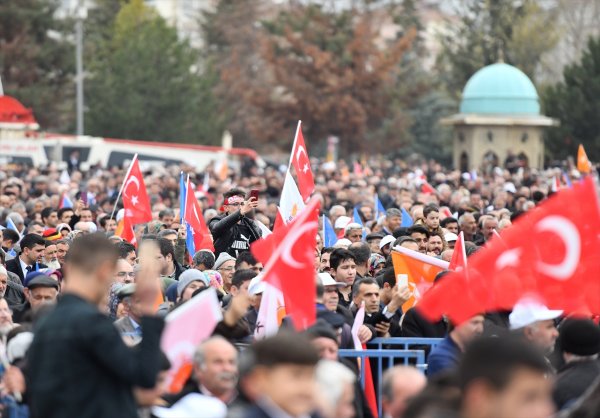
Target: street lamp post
x,y
80,15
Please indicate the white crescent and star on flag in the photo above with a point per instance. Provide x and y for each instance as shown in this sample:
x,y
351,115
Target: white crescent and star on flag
x,y
567,232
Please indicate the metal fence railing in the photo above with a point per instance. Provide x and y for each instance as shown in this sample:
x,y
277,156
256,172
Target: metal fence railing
x,y
388,352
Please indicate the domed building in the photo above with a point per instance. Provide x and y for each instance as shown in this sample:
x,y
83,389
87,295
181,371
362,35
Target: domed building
x,y
499,117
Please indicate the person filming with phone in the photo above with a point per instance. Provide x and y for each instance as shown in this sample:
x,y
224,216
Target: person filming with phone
x,y
383,307
234,230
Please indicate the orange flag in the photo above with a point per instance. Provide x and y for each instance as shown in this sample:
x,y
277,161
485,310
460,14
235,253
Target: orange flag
x,y
421,270
583,164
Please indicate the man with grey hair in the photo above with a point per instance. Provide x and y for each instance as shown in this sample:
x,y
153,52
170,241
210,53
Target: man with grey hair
x,y
393,220
11,291
204,260
353,232
468,225
400,384
335,390
18,220
335,212
86,227
215,371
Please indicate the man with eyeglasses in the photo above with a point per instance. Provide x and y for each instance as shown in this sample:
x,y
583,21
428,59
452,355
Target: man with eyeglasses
x,y
124,272
234,231
246,261
225,265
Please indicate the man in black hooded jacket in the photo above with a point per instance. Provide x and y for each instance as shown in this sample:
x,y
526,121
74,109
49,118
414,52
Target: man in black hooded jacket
x,y
233,232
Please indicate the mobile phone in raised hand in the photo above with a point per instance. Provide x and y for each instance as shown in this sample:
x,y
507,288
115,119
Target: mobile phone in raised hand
x,y
402,280
254,194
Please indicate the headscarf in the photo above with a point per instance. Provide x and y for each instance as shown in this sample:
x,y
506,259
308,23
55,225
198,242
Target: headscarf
x,y
374,261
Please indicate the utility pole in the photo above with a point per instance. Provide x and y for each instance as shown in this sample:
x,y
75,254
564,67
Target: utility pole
x,y
80,15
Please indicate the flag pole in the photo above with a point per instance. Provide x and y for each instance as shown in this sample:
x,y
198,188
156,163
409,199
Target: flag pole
x,y
294,144
187,190
123,185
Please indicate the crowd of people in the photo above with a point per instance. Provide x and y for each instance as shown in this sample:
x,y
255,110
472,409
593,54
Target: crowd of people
x,y
80,328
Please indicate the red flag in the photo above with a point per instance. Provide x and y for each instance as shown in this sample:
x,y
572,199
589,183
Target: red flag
x,y
135,198
289,256
278,221
369,387
299,159
551,253
127,232
193,216
427,188
459,256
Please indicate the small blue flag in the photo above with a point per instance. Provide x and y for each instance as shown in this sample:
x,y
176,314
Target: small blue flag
x,y
11,225
406,219
189,240
567,179
329,237
359,221
379,209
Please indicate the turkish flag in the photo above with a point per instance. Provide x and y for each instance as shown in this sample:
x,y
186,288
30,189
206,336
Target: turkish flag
x,y
194,218
301,163
459,256
135,198
127,232
551,252
289,258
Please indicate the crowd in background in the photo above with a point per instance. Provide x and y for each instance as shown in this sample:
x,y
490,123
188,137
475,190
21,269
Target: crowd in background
x,y
537,362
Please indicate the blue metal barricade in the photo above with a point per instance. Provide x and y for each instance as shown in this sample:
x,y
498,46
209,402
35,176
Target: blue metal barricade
x,y
390,355
404,343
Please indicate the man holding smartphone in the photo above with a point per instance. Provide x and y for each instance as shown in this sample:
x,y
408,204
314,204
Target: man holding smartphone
x,y
234,231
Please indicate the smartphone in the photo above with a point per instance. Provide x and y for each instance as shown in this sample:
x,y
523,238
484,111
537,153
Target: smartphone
x,y
402,280
379,317
84,196
254,194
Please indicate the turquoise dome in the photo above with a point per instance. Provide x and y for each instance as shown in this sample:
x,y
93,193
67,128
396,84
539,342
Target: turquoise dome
x,y
500,89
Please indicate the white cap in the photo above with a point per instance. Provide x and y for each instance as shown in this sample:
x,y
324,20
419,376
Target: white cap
x,y
342,243
451,236
352,225
388,239
529,311
327,280
342,222
193,405
510,187
256,285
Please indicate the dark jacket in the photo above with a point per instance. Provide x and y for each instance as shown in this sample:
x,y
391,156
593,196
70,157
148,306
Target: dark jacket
x,y
14,294
573,380
78,365
415,325
14,266
21,313
444,357
227,233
